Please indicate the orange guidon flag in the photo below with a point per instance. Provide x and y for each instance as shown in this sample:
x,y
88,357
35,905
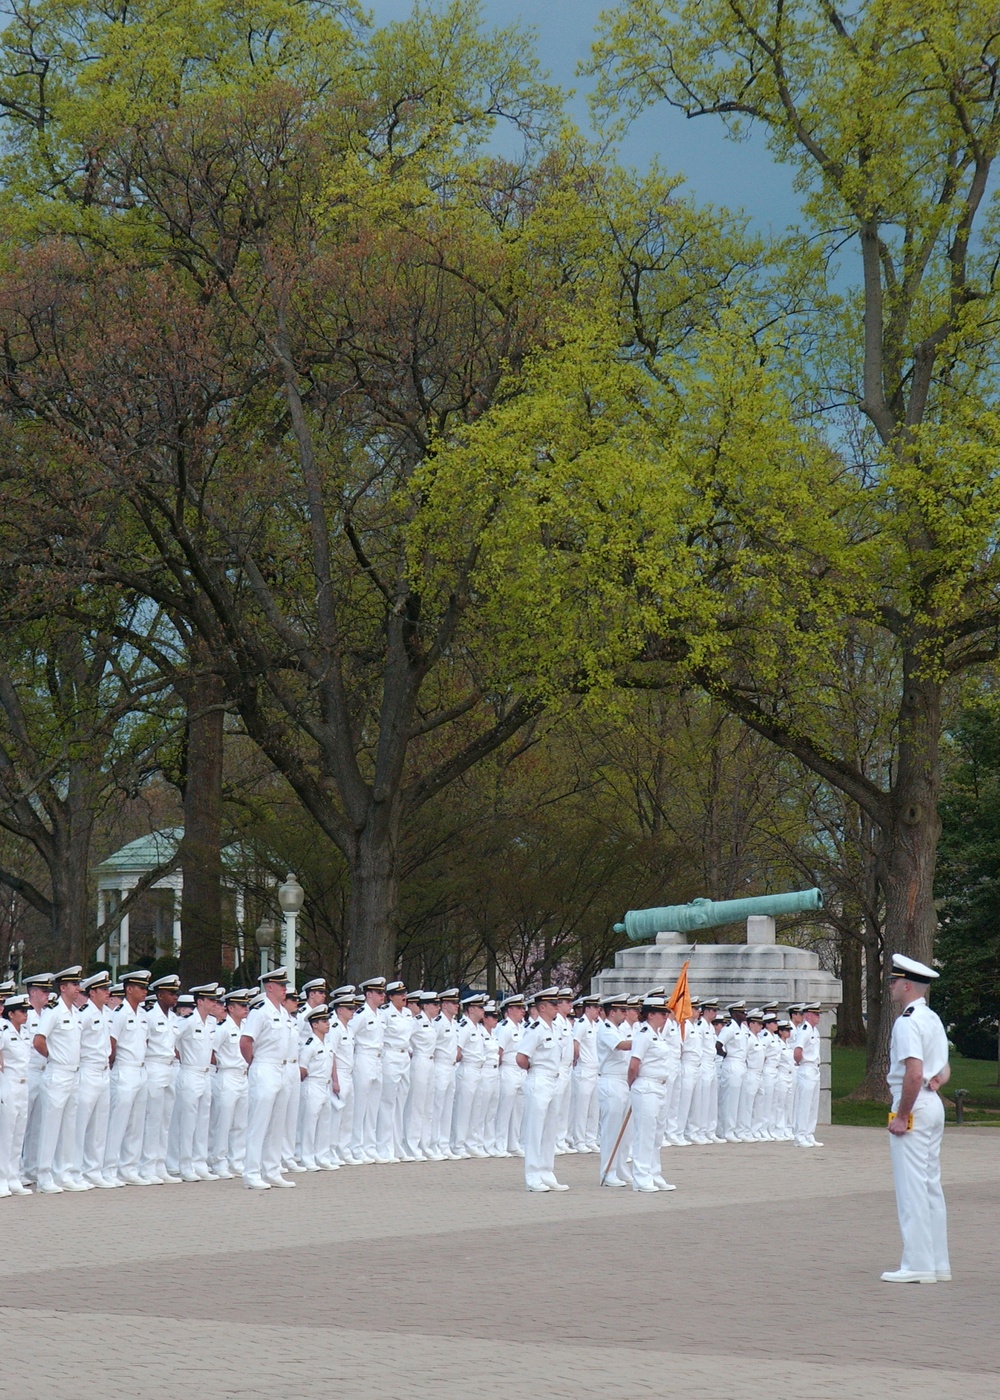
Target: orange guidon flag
x,y
679,1000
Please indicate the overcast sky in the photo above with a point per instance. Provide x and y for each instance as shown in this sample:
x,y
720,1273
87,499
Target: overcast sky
x,y
740,175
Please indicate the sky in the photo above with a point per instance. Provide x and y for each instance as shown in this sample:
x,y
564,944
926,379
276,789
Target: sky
x,y
740,175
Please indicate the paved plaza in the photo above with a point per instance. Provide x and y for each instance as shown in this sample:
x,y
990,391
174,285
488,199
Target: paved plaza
x,y
758,1277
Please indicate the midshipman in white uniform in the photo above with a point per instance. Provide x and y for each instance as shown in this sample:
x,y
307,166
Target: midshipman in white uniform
x,y
918,1066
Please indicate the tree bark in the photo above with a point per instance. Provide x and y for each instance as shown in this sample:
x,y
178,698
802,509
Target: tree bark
x,y
201,847
373,908
850,1018
70,870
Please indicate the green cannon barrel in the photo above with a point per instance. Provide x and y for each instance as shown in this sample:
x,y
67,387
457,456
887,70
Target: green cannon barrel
x,y
641,924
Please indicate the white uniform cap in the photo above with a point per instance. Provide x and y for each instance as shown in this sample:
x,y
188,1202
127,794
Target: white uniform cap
x,y
912,970
315,984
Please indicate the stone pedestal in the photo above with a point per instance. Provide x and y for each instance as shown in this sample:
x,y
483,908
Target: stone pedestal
x,y
759,970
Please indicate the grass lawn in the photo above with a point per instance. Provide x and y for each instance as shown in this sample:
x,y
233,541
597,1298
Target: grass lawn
x,y
978,1076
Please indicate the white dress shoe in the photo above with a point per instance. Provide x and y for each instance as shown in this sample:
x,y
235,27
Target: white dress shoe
x,y
614,1181
907,1276
68,1184
280,1181
662,1185
539,1186
50,1189
18,1188
644,1188
256,1183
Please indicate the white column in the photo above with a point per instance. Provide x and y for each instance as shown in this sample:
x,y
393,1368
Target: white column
x,y
123,941
176,933
291,947
102,910
240,930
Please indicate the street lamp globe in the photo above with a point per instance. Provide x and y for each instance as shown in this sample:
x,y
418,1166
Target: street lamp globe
x,y
265,941
290,895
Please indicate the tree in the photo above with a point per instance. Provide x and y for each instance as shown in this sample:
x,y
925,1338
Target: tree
x,y
272,330
890,115
968,994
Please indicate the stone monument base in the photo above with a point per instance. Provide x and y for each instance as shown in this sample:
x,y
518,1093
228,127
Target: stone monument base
x,y
760,970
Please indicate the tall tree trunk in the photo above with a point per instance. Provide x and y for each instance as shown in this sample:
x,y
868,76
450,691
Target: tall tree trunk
x,y
850,1018
373,908
69,871
201,849
907,854
908,841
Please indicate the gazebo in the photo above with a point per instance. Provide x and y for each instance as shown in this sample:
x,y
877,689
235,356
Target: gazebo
x,y
119,874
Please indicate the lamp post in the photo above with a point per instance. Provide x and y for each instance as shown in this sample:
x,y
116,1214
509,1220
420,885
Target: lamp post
x,y
290,898
265,942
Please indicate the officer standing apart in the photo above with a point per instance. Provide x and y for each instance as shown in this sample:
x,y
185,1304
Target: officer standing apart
x,y
918,1066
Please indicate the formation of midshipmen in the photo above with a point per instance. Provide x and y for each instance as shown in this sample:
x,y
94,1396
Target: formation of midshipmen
x,y
136,1084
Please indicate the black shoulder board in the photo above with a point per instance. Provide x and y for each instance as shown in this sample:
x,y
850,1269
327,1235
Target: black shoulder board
x,y
643,1028
908,1011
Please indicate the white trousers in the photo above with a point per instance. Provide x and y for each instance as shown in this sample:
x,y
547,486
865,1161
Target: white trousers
x,y
563,1111
315,1108
93,1103
585,1118
763,1109
444,1099
916,1173
672,1128
486,1111
193,1107
613,1098
749,1090
736,1072
419,1109
342,1117
293,1085
57,1159
392,1102
468,1081
267,1109
784,1093
227,1127
649,1107
29,1151
709,1092
161,1091
13,1121
510,1108
126,1116
806,1101
688,1115
367,1094
542,1104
